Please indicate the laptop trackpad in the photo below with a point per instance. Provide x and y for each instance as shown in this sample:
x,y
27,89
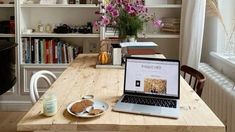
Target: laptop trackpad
x,y
143,109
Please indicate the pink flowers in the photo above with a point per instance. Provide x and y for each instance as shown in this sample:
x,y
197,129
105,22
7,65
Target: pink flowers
x,y
104,20
157,23
124,15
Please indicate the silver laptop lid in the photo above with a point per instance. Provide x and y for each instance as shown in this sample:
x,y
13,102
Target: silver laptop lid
x,y
152,77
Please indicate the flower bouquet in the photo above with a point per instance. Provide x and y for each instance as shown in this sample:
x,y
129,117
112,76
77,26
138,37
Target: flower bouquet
x,y
127,18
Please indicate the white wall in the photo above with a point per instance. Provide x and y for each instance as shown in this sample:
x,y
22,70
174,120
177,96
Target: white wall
x,y
215,38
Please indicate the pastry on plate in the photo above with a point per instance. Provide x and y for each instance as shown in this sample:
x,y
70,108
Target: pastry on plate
x,y
95,111
81,106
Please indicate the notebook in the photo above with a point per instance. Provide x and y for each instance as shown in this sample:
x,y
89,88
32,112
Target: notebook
x,y
151,87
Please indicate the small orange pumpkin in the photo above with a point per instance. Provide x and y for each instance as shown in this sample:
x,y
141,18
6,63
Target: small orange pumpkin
x,y
103,58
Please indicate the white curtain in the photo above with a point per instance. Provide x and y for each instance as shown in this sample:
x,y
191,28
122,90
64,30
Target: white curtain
x,y
193,18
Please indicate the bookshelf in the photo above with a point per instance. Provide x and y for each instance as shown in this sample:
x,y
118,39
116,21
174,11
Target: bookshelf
x,y
73,15
28,16
59,6
54,35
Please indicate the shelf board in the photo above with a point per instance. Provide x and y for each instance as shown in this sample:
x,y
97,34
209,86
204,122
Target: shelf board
x,y
61,5
159,35
7,5
164,6
29,65
3,35
67,35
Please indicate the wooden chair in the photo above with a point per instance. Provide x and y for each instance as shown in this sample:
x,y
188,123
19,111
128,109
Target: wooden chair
x,y
194,74
34,95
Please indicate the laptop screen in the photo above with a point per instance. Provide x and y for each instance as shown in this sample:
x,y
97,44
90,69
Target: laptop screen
x,y
154,77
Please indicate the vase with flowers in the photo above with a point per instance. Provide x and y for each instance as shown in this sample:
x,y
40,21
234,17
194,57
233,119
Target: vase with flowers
x,y
127,18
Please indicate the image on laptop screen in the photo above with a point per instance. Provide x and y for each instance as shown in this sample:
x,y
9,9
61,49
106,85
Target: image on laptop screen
x,y
154,77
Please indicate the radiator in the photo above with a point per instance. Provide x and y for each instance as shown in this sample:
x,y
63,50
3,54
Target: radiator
x,y
219,94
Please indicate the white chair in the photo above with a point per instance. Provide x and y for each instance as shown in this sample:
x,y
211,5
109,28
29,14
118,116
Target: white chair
x,y
34,82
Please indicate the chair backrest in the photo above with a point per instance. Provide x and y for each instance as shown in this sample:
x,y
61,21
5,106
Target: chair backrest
x,y
34,95
196,78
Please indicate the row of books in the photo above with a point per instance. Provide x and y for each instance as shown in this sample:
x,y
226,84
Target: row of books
x,y
46,51
170,24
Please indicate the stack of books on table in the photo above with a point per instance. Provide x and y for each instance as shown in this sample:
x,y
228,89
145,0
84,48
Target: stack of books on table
x,y
170,24
140,49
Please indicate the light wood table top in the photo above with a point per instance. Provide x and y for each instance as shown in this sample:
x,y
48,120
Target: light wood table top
x,y
81,78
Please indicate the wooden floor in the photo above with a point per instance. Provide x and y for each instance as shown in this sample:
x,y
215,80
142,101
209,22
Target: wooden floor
x,y
9,120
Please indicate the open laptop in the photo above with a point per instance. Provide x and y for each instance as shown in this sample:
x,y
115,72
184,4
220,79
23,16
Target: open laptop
x,y
151,87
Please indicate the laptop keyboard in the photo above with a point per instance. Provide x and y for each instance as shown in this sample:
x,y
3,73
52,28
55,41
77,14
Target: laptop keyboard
x,y
149,101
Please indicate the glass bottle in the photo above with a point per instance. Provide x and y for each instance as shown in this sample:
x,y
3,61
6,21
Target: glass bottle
x,y
49,104
48,28
40,27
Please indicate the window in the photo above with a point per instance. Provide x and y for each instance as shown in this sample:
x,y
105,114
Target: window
x,y
226,41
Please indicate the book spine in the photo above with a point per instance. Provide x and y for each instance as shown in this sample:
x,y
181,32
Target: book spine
x,y
56,52
63,53
39,51
59,52
51,51
24,48
47,52
29,50
32,51
36,51
42,50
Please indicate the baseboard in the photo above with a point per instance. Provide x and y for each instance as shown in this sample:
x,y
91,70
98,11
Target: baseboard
x,y
15,105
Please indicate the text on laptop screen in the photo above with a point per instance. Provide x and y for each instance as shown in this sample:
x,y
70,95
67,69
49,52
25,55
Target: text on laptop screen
x,y
153,77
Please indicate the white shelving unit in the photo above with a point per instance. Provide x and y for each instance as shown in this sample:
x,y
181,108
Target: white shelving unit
x,y
44,65
56,35
28,16
54,14
6,5
165,6
4,35
59,6
160,35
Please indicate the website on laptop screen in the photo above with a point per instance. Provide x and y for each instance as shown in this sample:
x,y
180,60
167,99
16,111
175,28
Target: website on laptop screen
x,y
153,77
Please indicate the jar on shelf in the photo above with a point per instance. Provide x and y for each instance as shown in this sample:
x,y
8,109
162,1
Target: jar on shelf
x,y
40,27
48,28
49,104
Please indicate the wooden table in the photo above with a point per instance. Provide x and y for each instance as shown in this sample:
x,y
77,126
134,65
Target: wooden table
x,y
81,78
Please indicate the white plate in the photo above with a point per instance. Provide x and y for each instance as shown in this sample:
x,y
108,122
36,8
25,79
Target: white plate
x,y
97,104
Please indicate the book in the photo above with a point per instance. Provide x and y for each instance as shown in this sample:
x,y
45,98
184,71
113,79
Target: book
x,y
32,51
141,51
138,44
47,52
24,49
42,46
36,52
